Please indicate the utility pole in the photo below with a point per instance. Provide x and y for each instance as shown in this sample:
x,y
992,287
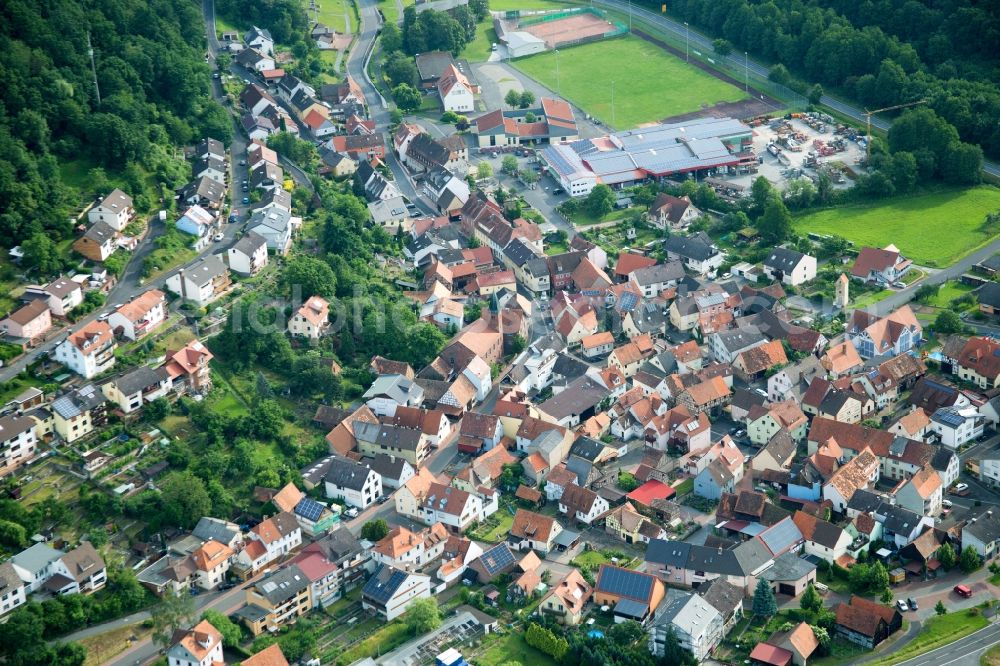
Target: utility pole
x,y
687,42
93,68
613,123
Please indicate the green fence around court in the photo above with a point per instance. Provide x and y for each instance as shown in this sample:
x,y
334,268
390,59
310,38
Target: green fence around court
x,y
536,18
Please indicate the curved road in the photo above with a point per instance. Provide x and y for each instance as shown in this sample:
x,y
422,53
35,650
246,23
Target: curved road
x,y
704,43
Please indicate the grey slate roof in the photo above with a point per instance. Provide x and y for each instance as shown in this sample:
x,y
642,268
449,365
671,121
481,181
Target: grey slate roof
x,y
788,567
136,380
783,259
214,529
690,248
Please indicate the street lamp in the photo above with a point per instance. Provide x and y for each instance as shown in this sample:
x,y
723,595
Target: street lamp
x,y
687,42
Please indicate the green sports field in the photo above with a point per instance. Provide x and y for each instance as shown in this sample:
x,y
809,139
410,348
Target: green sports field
x,y
932,229
649,84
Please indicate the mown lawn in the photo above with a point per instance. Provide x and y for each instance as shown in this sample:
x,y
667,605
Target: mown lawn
x,y
587,73
948,292
512,647
933,229
937,631
332,14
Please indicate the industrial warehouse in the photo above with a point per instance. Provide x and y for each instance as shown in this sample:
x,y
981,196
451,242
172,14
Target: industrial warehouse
x,y
659,151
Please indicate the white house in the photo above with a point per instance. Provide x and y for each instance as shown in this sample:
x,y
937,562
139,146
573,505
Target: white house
x,y
61,295
982,533
249,255
276,225
357,484
390,391
199,223
696,623
455,508
80,571
140,315
954,427
36,564
90,351
260,39
137,387
200,646
115,210
789,266
456,92
389,592
280,534
311,320
12,589
582,504
17,442
202,282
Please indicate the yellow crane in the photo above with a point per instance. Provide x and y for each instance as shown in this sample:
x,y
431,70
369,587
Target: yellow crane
x,y
868,118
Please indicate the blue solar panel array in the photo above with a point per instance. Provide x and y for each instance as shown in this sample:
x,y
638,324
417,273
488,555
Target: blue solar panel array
x,y
624,582
381,591
628,301
309,509
497,559
949,417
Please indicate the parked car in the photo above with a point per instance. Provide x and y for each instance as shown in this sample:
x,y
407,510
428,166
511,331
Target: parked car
x,y
947,503
246,200
962,591
219,236
912,603
901,605
961,487
351,512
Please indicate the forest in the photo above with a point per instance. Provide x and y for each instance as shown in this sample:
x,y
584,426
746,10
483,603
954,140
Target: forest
x,y
153,81
878,52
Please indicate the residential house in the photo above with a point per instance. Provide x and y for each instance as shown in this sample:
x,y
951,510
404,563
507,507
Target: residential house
x,y
249,255
277,600
894,334
212,562
626,524
17,442
80,571
582,504
866,623
859,473
116,210
98,243
132,390
752,364
406,550
390,391
89,351
455,508
276,225
922,493
12,589
201,283
789,266
841,359
77,413
697,253
955,427
61,295
407,443
821,538
27,324
633,595
141,315
982,534
533,531
203,192
198,646
979,362
777,454
389,592
881,266
566,599
674,213
34,566
697,625
355,483
311,320
260,39
457,93
189,368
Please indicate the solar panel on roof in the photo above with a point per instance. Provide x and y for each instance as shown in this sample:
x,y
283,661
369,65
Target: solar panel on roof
x,y
497,558
382,592
625,583
309,509
628,300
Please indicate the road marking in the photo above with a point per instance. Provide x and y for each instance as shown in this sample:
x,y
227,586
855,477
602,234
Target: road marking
x,y
951,645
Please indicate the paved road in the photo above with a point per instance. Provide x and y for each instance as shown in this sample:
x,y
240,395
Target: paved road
x,y
371,25
963,652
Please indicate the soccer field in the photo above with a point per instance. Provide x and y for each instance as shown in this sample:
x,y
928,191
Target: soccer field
x,y
932,229
649,84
